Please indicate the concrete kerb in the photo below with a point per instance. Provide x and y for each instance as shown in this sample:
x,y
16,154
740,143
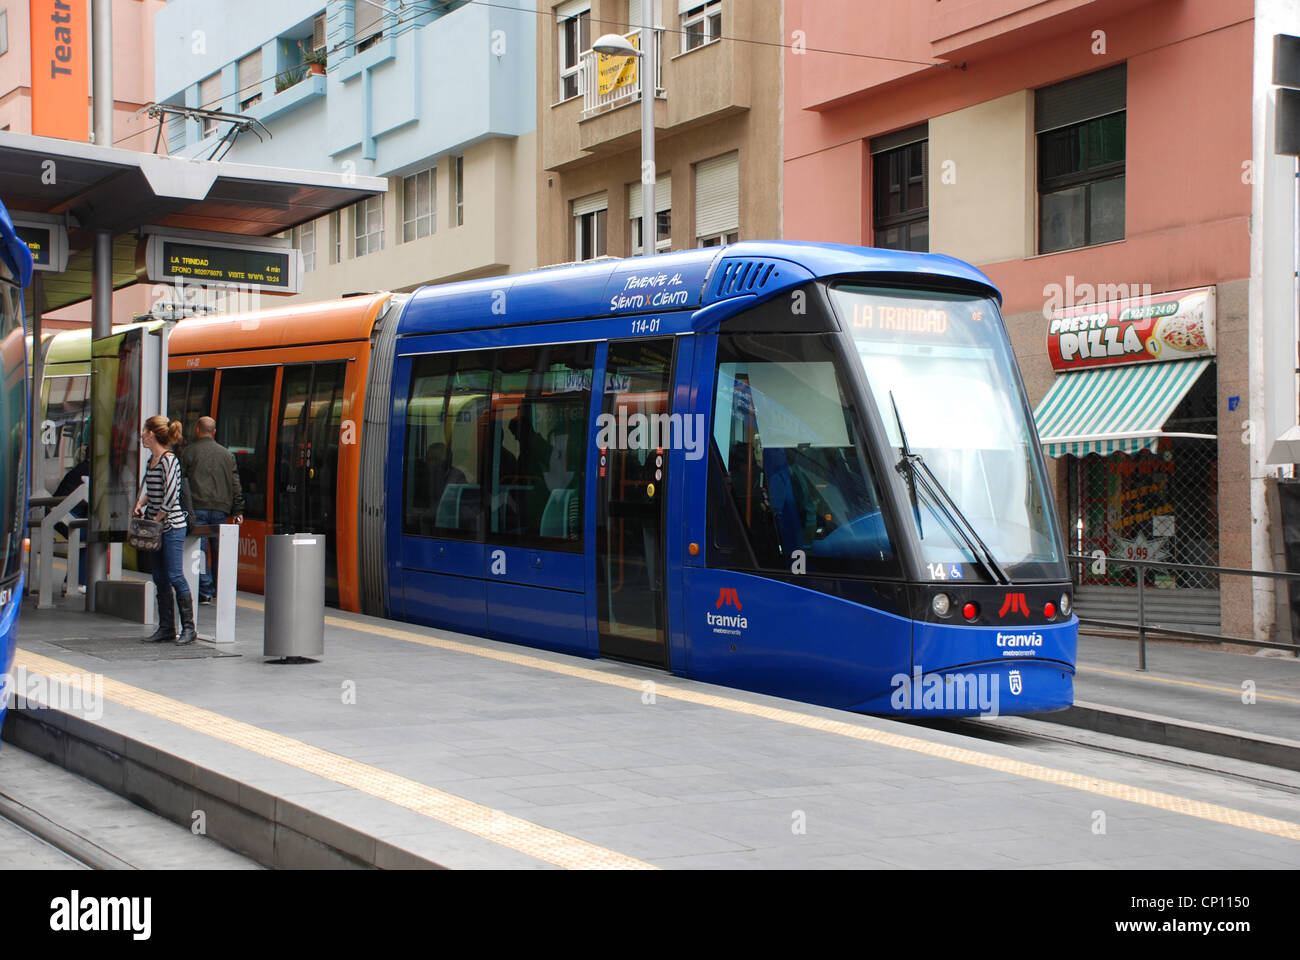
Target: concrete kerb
x,y
274,832
1171,732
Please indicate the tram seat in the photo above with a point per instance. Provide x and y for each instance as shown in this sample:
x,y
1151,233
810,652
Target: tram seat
x,y
459,501
560,518
784,493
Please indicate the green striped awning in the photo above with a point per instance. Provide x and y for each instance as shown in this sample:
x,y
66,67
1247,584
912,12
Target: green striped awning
x,y
1113,409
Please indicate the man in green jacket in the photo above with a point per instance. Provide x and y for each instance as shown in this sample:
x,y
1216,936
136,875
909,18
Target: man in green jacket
x,y
214,493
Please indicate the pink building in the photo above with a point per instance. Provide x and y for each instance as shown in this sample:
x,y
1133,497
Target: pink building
x,y
1081,153
133,82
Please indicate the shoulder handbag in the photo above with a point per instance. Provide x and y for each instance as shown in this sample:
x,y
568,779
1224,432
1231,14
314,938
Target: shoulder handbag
x,y
144,534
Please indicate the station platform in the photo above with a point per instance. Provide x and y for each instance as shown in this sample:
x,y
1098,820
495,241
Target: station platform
x,y
408,747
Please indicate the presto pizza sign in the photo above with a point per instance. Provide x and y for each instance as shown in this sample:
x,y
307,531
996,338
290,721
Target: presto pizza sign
x,y
1162,326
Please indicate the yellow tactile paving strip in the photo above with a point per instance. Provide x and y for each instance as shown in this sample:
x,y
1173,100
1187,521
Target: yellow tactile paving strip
x,y
1146,677
1214,813
543,843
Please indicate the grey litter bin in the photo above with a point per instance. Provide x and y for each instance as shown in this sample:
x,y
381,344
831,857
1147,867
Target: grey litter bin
x,y
294,625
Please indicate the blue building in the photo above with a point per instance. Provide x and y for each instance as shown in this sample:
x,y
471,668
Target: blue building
x,y
437,96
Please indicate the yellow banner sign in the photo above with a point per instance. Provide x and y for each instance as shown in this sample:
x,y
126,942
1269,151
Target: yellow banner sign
x,y
616,73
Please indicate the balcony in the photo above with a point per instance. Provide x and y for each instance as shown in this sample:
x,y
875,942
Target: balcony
x,y
623,86
708,83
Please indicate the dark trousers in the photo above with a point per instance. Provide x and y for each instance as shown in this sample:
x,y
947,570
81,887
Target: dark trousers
x,y
211,551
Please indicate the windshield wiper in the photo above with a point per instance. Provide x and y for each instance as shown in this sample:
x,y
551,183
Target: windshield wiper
x,y
919,471
911,478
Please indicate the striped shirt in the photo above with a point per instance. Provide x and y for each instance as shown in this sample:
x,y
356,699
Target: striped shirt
x,y
163,488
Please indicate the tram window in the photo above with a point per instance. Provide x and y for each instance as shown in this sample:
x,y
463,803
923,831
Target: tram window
x,y
189,396
13,416
446,424
541,397
243,428
787,469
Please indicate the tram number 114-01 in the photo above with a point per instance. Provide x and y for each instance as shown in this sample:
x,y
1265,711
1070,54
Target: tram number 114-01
x,y
645,325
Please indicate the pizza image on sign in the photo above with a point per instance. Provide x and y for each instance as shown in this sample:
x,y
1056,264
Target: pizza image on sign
x,y
1185,333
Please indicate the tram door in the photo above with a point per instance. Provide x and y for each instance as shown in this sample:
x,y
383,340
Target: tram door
x,y
307,456
630,492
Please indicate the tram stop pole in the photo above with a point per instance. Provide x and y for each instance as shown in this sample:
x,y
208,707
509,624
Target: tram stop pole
x,y
101,325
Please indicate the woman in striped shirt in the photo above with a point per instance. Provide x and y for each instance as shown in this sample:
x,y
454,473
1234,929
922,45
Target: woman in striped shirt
x,y
160,499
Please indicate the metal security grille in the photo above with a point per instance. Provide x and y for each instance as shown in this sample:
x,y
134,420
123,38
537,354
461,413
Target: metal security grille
x,y
1153,505
1148,506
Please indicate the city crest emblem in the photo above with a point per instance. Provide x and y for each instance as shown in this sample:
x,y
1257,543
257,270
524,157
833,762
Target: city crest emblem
x,y
1016,685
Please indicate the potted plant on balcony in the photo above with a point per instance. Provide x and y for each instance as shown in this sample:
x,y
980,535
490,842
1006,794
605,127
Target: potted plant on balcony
x,y
314,59
290,77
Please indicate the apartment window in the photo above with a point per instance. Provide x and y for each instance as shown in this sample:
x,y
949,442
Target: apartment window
x,y
210,99
368,226
419,208
304,238
4,32
663,214
589,227
318,31
250,80
460,191
701,23
1081,156
367,23
717,200
575,40
336,237
900,204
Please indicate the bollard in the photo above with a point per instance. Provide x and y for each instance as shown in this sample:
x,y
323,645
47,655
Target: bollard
x,y
1142,619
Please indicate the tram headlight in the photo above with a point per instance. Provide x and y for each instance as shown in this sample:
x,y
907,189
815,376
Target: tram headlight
x,y
941,605
1064,605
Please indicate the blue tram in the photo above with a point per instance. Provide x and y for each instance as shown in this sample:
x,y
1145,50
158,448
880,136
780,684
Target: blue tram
x,y
802,469
15,273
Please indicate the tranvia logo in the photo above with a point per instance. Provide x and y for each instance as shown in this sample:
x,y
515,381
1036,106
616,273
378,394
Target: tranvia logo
x,y
1014,603
1015,684
1019,644
727,623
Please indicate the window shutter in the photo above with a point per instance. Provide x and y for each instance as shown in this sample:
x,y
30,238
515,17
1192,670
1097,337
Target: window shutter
x,y
367,19
717,195
210,92
571,9
633,15
686,6
1083,98
250,74
663,196
900,138
597,201
318,31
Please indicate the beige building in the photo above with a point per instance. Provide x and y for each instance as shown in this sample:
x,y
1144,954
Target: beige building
x,y
717,128
458,217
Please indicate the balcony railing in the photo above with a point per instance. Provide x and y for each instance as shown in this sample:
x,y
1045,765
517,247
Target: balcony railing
x,y
619,94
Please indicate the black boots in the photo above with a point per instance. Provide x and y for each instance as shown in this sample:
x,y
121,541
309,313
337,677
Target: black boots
x,y
186,603
166,631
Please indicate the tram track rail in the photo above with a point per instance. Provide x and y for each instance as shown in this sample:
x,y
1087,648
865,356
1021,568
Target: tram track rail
x,y
73,845
1024,731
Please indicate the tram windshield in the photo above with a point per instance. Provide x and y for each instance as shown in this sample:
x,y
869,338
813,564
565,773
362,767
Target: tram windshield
x,y
940,372
13,417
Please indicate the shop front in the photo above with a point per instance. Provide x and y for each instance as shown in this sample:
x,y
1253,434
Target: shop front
x,y
1132,413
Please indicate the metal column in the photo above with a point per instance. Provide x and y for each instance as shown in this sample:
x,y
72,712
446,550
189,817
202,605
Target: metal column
x,y
101,94
101,325
649,222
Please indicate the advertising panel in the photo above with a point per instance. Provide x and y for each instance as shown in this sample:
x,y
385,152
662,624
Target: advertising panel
x,y
1163,326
